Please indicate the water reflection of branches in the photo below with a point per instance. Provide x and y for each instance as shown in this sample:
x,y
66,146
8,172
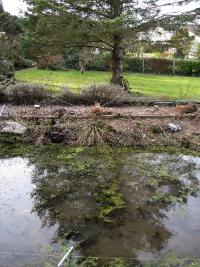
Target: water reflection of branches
x,y
67,185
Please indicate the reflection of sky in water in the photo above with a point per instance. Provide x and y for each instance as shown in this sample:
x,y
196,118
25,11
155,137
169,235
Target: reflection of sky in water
x,y
21,230
184,221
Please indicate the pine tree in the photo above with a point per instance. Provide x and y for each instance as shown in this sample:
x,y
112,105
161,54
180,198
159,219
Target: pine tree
x,y
112,25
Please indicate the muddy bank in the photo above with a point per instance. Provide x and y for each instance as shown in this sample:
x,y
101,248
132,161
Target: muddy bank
x,y
77,126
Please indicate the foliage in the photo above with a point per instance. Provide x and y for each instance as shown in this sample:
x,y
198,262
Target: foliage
x,y
170,260
104,94
182,41
56,252
51,62
71,57
101,62
104,25
117,263
131,64
23,63
9,24
152,66
110,201
68,97
25,93
198,52
11,53
153,86
7,55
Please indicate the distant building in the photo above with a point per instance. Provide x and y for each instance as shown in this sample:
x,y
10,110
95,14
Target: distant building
x,y
162,36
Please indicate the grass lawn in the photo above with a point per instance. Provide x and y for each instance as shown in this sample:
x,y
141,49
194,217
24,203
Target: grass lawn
x,y
154,86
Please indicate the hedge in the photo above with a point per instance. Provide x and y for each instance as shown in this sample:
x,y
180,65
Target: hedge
x,y
152,66
135,65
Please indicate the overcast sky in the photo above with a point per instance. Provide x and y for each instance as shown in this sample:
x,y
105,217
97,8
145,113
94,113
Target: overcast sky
x,y
16,6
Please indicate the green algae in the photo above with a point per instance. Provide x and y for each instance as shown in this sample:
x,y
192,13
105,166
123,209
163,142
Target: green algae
x,y
90,180
110,201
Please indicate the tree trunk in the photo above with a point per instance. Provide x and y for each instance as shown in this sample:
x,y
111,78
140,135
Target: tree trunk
x,y
117,63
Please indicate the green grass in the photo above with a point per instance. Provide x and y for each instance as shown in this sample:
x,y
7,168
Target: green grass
x,y
154,86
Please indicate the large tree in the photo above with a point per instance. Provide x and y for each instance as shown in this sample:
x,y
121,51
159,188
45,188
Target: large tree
x,y
112,25
9,32
182,42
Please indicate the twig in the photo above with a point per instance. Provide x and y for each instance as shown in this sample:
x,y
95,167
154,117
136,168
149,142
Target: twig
x,y
1,112
65,257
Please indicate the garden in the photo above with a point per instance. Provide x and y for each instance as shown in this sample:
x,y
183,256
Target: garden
x,y
100,134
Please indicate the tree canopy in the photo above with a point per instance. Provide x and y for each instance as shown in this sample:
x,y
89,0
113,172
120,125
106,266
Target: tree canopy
x,y
182,42
112,25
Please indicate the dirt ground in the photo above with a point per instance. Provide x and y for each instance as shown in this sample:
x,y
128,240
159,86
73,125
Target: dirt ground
x,y
125,126
12,110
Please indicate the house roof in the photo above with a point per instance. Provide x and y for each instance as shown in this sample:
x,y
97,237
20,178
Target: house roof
x,y
160,35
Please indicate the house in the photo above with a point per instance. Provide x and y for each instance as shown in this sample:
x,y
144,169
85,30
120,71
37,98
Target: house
x,y
161,36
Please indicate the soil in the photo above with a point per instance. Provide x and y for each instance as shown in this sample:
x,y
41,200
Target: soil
x,y
135,126
12,110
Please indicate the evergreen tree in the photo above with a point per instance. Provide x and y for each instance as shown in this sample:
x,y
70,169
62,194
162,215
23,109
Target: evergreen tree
x,y
112,25
182,42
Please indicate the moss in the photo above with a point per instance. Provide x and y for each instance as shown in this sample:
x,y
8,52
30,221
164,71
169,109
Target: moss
x,y
117,263
8,150
90,262
170,259
110,201
66,153
11,138
155,129
70,153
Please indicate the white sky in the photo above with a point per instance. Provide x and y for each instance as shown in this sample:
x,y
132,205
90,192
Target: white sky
x,y
15,7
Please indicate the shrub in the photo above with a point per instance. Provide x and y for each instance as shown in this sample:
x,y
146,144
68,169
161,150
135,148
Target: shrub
x,y
187,67
26,93
68,97
158,66
104,94
52,63
23,63
100,63
2,94
151,65
133,64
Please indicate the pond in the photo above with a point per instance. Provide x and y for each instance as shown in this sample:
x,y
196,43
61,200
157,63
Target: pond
x,y
109,203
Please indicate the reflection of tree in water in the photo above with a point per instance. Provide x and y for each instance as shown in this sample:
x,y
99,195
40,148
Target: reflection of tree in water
x,y
70,187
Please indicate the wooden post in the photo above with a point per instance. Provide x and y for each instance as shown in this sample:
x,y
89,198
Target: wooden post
x,y
174,67
143,65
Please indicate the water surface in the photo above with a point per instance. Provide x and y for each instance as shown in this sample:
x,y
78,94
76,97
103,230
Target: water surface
x,y
110,202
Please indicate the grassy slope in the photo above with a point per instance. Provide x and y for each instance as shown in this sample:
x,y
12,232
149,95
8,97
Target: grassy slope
x,y
157,86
